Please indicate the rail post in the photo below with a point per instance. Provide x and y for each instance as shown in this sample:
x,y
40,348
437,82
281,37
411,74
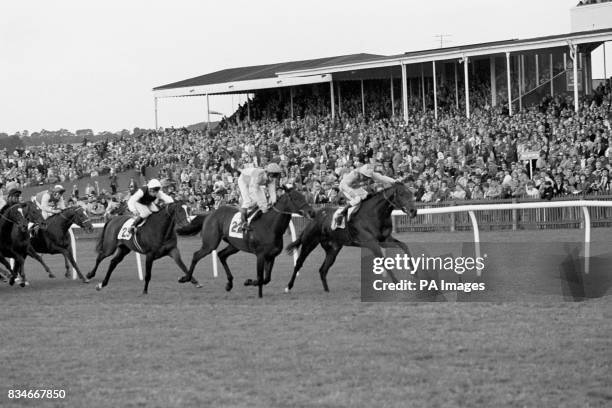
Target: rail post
x,y
514,216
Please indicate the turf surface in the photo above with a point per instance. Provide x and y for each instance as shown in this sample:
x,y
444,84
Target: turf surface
x,y
182,346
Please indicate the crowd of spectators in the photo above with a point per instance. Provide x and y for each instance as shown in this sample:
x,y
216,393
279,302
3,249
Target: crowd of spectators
x,y
449,158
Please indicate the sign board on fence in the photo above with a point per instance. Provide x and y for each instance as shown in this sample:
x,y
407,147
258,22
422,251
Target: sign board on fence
x,y
529,155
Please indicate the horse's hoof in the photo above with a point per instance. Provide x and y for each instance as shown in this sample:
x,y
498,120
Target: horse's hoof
x,y
249,282
67,275
22,284
229,286
11,281
51,276
286,290
89,275
183,279
99,286
85,280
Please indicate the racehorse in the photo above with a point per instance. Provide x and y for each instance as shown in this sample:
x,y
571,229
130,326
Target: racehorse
x,y
55,239
265,238
15,237
155,239
369,227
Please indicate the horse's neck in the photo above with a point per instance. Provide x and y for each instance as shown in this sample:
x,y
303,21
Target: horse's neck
x,y
377,204
164,220
64,222
279,222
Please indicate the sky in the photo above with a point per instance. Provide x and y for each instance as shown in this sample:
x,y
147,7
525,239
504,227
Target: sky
x,y
92,65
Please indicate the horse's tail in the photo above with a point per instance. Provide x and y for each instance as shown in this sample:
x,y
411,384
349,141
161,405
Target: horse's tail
x,y
100,243
295,245
193,227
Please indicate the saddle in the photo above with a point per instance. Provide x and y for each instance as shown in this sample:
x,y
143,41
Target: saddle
x,y
125,232
339,221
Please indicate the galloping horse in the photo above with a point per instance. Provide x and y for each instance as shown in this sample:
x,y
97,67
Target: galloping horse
x,y
15,237
369,227
55,239
156,238
265,239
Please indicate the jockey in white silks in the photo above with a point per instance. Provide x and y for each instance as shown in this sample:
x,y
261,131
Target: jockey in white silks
x,y
51,201
251,184
350,186
144,201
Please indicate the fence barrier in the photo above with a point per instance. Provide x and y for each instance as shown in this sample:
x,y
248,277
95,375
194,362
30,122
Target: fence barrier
x,y
509,215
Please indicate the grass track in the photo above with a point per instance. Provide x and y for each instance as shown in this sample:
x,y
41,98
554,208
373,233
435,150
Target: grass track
x,y
182,346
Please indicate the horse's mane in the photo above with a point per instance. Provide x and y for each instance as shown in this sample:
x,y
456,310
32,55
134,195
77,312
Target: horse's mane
x,y
379,193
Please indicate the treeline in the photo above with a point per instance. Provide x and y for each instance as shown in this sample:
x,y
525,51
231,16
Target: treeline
x,y
25,139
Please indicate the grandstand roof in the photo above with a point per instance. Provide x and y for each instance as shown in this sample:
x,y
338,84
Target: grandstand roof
x,y
266,71
251,78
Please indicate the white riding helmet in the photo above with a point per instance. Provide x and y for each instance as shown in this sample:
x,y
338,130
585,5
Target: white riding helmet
x,y
59,189
366,170
154,183
273,168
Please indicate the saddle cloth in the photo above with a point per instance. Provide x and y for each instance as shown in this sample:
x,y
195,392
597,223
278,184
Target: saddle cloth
x,y
235,229
124,231
342,225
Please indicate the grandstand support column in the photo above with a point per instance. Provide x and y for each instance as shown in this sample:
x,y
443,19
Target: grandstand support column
x,y
392,99
404,93
456,88
155,99
331,98
520,79
435,89
339,100
423,84
551,67
493,82
467,86
248,103
291,100
604,67
537,70
362,100
574,56
208,111
509,84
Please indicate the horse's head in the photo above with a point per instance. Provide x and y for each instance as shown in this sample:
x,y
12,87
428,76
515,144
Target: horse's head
x,y
82,219
178,210
33,214
15,214
401,198
294,202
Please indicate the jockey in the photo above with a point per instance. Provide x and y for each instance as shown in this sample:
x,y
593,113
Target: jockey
x,y
13,197
350,186
144,201
52,201
251,183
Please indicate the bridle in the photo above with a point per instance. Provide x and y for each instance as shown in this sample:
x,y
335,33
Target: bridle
x,y
9,219
391,200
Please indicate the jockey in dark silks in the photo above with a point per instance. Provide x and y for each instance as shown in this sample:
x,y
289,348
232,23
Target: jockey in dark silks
x,y
144,201
13,197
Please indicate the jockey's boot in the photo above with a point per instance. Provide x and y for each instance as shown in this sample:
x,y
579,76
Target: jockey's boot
x,y
342,215
245,224
137,221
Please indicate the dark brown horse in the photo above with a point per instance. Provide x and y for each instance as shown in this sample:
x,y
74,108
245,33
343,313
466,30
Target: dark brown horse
x,y
265,238
155,239
369,227
55,239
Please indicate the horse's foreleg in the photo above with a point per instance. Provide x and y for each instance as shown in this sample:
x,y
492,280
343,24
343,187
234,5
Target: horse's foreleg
x,y
176,255
123,251
223,255
68,258
268,270
9,269
35,255
148,267
260,271
378,253
391,242
307,247
331,252
199,254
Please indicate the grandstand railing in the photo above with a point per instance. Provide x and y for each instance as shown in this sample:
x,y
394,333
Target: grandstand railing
x,y
568,213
